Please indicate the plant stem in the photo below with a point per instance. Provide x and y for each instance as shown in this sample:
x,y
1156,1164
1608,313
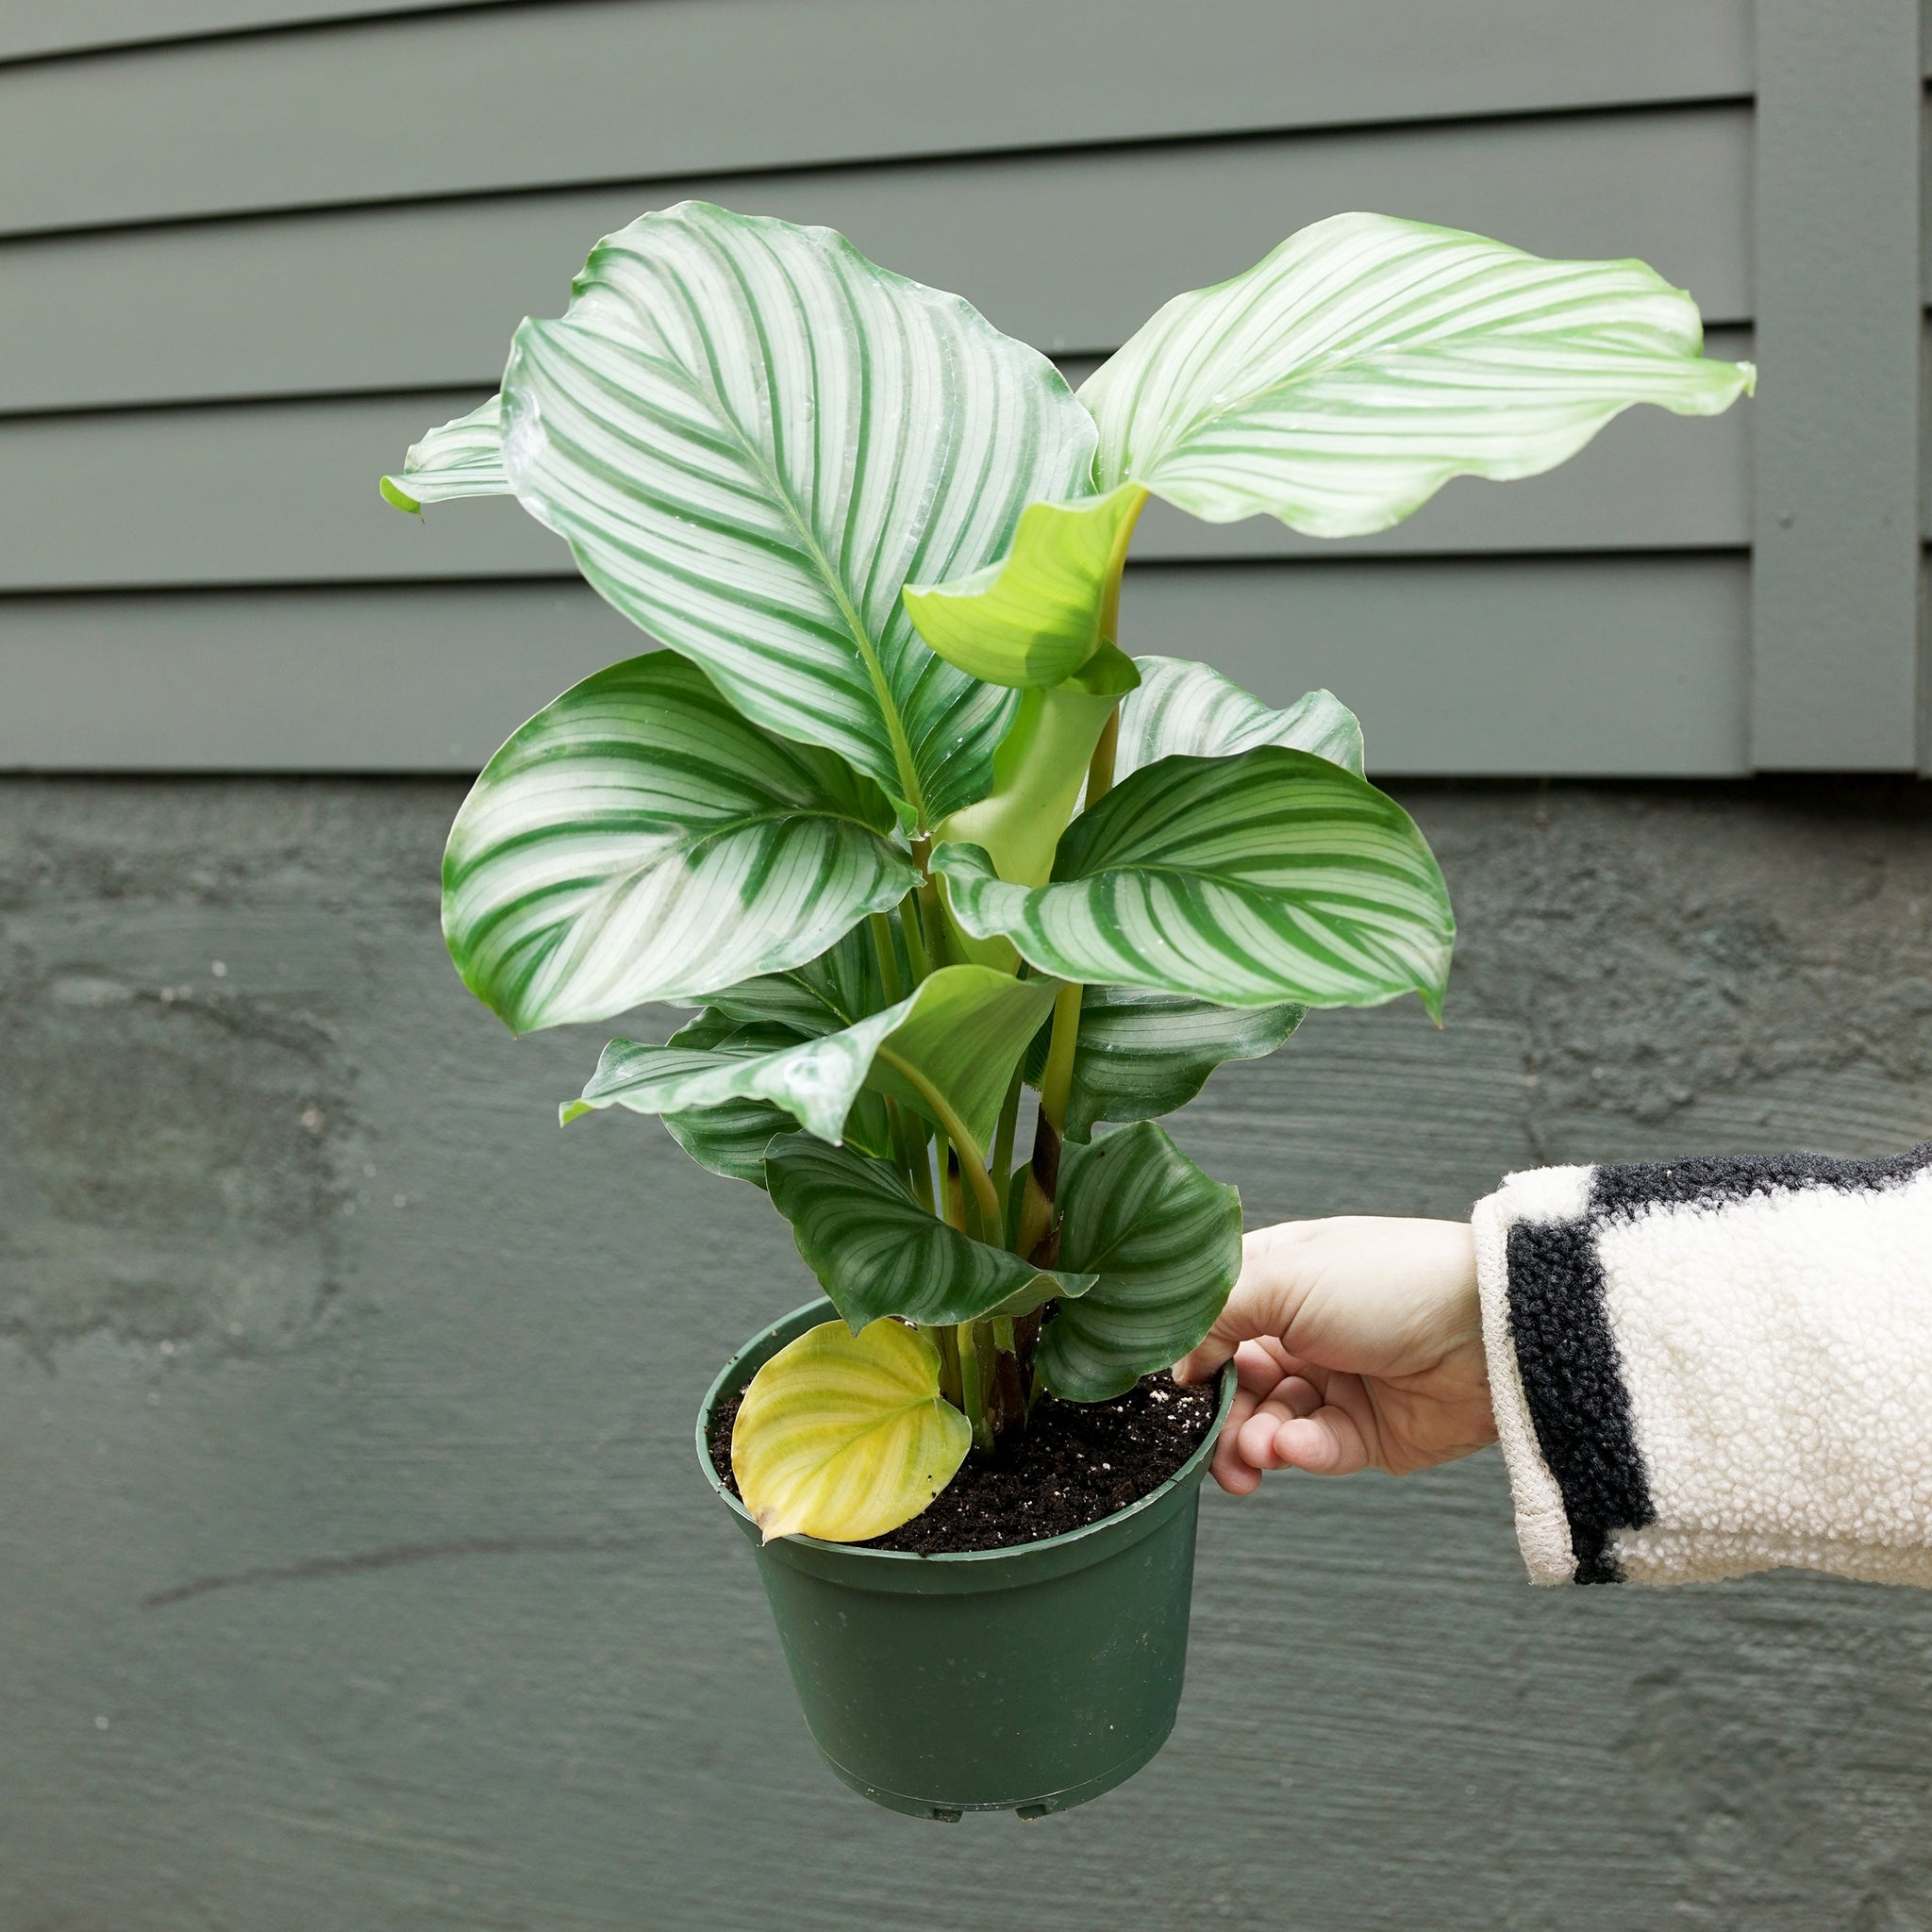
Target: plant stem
x,y
971,1163
909,1149
1056,1083
1100,770
972,1384
930,906
1003,1136
915,943
948,1341
888,956
952,1208
1055,1089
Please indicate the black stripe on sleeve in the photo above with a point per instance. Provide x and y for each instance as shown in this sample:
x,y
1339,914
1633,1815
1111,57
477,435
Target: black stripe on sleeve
x,y
1573,1385
1710,1180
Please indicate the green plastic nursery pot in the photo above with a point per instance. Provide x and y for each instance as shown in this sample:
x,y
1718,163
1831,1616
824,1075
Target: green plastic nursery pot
x,y
1028,1680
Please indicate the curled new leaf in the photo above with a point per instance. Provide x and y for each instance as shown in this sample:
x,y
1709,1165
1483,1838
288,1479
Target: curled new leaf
x,y
1040,769
1165,1241
1035,617
844,1436
1270,877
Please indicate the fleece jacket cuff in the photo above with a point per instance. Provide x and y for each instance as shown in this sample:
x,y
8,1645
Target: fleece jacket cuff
x,y
1714,1366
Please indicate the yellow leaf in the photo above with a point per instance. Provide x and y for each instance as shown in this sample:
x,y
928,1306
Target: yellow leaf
x,y
844,1436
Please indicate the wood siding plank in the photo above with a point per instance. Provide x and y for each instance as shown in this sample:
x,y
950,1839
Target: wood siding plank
x,y
514,98
1835,575
1070,251
35,29
285,493
1558,666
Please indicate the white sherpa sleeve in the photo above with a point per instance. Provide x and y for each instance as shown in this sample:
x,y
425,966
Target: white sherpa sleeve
x,y
1714,1366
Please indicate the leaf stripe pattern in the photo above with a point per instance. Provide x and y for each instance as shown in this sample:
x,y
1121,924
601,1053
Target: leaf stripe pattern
x,y
1190,709
752,438
1341,382
878,1252
1143,1054
1273,876
638,841
461,459
1165,1242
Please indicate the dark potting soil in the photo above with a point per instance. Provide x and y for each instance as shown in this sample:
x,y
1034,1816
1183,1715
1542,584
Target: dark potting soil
x,y
1080,1461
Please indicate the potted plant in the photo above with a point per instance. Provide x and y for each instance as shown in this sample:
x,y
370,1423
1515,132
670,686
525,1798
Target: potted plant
x,y
895,811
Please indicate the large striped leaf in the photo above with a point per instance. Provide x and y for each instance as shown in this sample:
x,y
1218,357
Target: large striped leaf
x,y
1341,382
1142,1053
1186,708
878,1252
753,438
1271,876
844,1436
1165,1242
461,459
638,840
948,1049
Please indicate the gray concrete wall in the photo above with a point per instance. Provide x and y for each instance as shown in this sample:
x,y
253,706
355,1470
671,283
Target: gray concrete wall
x,y
355,1574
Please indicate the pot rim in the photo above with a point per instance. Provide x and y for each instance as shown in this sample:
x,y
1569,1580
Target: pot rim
x,y
1188,1475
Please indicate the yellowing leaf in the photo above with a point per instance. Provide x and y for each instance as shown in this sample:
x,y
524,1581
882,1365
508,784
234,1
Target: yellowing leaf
x,y
844,1436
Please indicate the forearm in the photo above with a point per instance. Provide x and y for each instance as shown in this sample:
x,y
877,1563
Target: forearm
x,y
1715,1366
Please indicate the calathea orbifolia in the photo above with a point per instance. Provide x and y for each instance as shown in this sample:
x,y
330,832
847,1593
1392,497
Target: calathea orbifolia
x,y
895,812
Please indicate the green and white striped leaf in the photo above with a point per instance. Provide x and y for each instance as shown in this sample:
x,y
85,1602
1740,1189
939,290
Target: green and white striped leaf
x,y
638,840
461,459
730,1138
838,989
1143,1054
753,438
1268,877
948,1050
1034,618
878,1252
844,1435
1187,709
1341,382
1165,1242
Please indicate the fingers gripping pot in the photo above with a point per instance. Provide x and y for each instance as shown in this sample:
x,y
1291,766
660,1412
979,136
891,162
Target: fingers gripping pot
x,y
1025,1679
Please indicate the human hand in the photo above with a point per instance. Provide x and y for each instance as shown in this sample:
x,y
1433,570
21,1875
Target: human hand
x,y
1359,1343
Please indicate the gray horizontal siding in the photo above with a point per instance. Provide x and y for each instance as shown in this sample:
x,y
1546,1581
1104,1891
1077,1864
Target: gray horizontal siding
x,y
1565,666
285,493
33,30
267,260
517,97
1071,252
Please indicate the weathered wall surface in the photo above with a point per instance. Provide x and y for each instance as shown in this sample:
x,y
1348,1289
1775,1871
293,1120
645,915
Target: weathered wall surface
x,y
355,1572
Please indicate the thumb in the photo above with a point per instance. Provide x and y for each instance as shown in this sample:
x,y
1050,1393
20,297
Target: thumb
x,y
1278,1269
